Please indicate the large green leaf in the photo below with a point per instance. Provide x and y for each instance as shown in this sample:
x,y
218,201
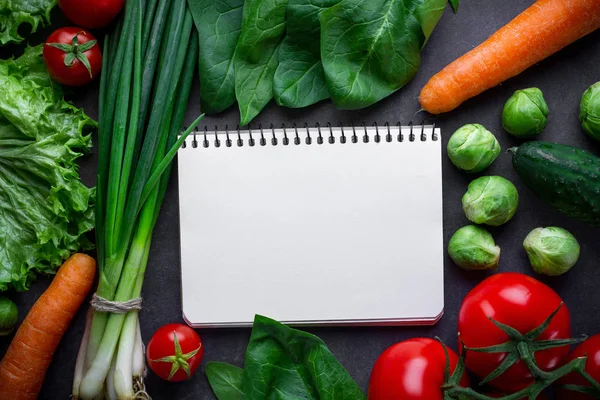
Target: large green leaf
x,y
289,364
45,210
218,23
286,364
300,78
13,13
256,55
370,49
226,380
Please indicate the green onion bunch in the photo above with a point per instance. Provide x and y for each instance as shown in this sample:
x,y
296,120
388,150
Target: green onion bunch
x,y
149,64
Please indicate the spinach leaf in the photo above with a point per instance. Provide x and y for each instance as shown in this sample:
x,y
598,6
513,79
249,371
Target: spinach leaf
x,y
300,79
256,55
218,23
370,49
454,4
293,365
225,380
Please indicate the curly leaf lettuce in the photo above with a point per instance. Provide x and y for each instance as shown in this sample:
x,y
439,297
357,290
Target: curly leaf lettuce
x,y
45,210
13,13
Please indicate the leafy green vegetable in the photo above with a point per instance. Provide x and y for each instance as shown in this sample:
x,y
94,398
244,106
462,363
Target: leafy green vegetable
x,y
490,200
552,251
256,55
45,209
218,23
589,111
226,380
472,148
371,49
300,78
292,363
454,4
525,113
9,316
473,248
13,13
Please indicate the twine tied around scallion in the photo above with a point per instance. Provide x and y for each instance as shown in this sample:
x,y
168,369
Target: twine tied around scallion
x,y
101,304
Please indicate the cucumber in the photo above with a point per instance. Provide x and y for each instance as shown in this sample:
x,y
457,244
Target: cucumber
x,y
566,177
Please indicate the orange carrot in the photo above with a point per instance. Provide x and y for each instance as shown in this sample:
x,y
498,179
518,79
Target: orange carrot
x,y
540,31
24,365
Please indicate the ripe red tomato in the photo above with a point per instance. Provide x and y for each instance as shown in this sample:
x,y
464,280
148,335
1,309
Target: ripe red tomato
x,y
496,395
91,13
411,370
174,352
72,56
591,348
523,303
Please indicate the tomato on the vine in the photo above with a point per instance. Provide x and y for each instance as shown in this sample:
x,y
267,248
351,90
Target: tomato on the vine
x,y
412,370
496,395
522,303
591,349
72,56
91,13
174,352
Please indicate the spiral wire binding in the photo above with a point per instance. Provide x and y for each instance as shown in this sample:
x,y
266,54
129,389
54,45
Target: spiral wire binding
x,y
385,135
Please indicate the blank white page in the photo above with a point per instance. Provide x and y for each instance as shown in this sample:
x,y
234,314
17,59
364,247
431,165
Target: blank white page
x,y
312,234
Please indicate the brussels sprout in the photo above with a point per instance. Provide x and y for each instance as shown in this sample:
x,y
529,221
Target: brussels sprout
x,y
490,200
473,148
9,315
552,251
589,111
525,113
472,247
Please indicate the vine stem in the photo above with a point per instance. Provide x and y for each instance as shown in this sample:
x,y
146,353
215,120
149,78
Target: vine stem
x,y
545,380
529,360
591,380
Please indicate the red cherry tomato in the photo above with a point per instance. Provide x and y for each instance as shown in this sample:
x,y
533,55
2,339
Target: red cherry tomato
x,y
91,13
591,349
523,303
496,395
174,352
411,370
72,56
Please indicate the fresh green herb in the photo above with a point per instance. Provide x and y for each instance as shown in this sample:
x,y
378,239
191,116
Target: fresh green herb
x,y
135,158
300,79
301,52
256,55
473,248
46,210
454,4
525,113
226,380
473,148
490,200
552,250
283,360
15,13
589,111
218,23
9,316
371,49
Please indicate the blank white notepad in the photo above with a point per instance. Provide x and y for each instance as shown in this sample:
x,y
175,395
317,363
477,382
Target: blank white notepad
x,y
312,226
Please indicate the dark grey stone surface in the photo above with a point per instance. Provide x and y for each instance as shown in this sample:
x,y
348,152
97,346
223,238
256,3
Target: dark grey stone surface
x,y
562,78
